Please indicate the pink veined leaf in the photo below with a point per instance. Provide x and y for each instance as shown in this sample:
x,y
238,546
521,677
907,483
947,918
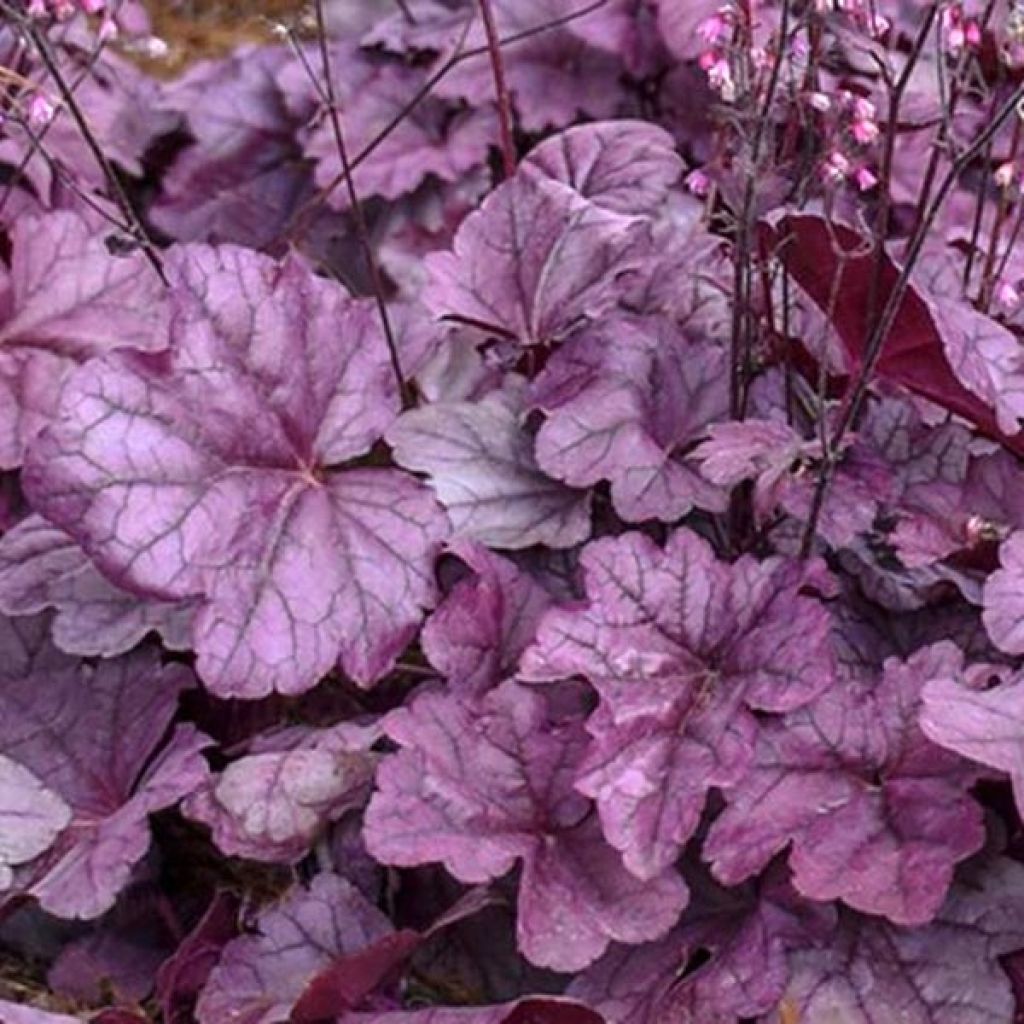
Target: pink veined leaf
x,y
479,459
535,260
623,399
624,166
31,818
65,300
242,178
874,814
154,468
552,75
94,737
528,1010
1004,597
946,972
479,787
42,567
273,803
435,139
681,648
986,726
477,633
738,939
262,976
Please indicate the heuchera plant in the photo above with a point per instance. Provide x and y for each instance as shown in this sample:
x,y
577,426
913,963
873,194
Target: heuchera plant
x,y
511,512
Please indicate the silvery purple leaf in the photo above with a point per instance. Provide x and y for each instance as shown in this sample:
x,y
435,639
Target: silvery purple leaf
x,y
261,976
478,457
553,75
154,468
986,726
477,633
243,177
1004,597
433,139
624,166
65,300
94,737
273,803
725,961
31,818
681,648
42,567
873,813
480,787
534,261
623,399
873,972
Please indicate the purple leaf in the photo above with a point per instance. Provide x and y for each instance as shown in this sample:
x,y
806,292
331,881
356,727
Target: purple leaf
x,y
31,818
18,1013
679,646
874,813
627,167
272,804
66,299
154,468
42,567
622,399
117,959
535,260
944,973
478,632
737,940
432,139
183,975
90,735
261,976
986,726
552,75
244,176
1004,598
479,459
349,980
480,787
530,1010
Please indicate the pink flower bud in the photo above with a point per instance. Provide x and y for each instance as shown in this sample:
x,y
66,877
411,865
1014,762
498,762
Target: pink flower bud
x,y
1005,174
698,183
866,179
1007,297
39,111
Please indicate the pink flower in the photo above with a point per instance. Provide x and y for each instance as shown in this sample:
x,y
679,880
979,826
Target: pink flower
x,y
835,168
866,179
39,111
1007,297
698,183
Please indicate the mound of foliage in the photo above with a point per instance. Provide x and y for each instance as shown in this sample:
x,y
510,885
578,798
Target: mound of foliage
x,y
511,513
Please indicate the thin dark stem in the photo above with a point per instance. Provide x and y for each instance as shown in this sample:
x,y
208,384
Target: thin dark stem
x,y
403,6
741,330
879,334
885,177
508,148
362,232
120,197
988,277
457,57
